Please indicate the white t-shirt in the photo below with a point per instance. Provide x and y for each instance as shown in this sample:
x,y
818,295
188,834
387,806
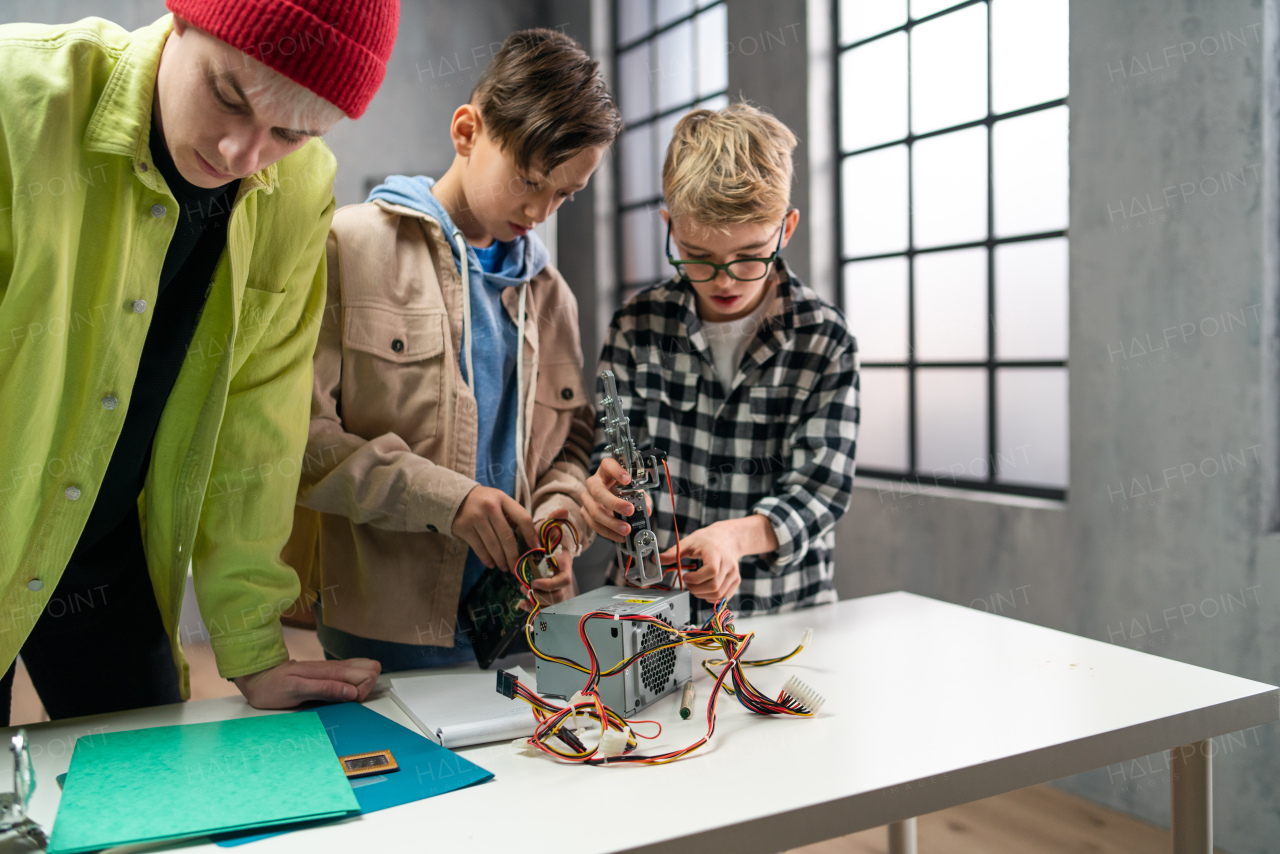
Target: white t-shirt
x,y
728,340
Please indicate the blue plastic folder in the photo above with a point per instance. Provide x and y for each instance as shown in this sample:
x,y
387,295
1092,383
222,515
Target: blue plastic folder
x,y
426,768
173,782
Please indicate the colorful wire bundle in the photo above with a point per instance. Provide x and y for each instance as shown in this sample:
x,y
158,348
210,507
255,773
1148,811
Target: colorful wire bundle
x,y
558,733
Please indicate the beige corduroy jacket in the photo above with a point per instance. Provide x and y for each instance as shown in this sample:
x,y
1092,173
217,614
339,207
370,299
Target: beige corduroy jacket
x,y
391,452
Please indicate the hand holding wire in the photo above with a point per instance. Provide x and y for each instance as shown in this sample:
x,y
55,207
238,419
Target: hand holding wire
x,y
558,586
718,576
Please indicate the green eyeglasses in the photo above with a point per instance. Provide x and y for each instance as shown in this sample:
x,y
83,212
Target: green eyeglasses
x,y
743,269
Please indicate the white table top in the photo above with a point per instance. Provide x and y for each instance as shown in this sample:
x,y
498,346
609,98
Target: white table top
x,y
929,705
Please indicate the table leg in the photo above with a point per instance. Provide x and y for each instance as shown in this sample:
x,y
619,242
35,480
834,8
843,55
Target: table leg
x,y
1191,791
902,837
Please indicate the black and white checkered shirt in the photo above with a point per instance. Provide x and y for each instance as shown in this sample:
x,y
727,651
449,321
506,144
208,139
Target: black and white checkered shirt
x,y
779,442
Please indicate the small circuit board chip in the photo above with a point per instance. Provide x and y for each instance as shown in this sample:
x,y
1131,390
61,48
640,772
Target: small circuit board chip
x,y
364,764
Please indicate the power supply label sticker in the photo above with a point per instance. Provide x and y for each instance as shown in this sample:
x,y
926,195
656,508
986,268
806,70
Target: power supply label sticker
x,y
628,597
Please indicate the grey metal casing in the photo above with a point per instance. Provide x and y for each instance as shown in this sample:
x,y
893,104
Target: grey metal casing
x,y
555,632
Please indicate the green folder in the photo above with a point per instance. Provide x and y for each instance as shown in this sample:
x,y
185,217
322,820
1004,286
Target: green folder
x,y
148,785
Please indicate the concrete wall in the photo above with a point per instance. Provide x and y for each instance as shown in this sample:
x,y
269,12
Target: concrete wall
x,y
768,61
1164,543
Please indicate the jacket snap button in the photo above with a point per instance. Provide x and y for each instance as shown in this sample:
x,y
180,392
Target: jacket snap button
x,y
566,393
433,529
397,345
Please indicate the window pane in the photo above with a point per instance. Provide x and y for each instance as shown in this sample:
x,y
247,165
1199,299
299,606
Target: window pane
x,y
638,178
874,203
639,234
1028,53
635,86
674,71
719,102
633,19
875,302
1031,300
1031,409
873,93
951,306
949,70
664,129
950,188
1030,175
669,10
861,19
882,422
920,8
952,417
713,51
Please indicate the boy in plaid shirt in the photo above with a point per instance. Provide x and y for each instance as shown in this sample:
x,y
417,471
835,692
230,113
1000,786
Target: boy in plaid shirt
x,y
745,378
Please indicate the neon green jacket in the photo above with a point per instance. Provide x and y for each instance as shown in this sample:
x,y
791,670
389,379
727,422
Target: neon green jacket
x,y
84,228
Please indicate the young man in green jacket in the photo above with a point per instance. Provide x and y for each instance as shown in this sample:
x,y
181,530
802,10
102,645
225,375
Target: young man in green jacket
x,y
164,205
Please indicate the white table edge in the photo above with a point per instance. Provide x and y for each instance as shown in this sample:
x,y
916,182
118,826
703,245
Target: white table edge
x,y
829,820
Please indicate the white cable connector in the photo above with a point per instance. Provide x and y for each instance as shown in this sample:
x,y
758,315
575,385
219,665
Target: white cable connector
x,y
809,699
613,742
806,637
524,748
571,722
542,568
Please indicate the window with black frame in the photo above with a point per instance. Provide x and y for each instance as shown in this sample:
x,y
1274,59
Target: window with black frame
x,y
671,56
952,124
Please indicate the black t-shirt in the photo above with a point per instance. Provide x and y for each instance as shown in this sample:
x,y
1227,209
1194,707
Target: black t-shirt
x,y
185,279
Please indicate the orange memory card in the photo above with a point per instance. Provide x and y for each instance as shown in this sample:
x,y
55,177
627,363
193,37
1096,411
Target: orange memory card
x,y
364,764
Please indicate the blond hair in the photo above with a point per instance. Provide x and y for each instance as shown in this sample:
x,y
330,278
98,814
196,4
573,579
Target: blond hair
x,y
730,166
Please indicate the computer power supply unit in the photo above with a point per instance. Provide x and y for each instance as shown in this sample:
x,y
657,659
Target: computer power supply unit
x,y
555,631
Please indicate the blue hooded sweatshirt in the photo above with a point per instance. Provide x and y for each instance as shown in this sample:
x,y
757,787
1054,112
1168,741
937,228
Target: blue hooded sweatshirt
x,y
494,343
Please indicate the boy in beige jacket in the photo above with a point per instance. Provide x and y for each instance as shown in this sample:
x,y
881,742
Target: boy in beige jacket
x,y
449,412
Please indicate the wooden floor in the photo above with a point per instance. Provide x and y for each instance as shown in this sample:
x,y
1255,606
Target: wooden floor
x,y
1038,820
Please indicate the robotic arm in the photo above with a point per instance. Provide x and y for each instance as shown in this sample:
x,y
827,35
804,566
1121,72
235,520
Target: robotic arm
x,y
638,555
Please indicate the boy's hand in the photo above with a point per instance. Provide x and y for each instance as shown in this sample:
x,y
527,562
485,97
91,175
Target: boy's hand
x,y
485,521
600,504
559,586
286,685
717,547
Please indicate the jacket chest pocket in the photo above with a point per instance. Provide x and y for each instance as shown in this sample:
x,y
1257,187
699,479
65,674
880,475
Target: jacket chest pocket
x,y
257,315
393,372
774,413
768,405
559,395
670,393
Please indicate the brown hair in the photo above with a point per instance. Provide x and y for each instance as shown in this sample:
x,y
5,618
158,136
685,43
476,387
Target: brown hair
x,y
544,101
730,166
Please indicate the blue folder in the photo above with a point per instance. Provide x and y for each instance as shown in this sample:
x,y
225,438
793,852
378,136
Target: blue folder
x,y
426,768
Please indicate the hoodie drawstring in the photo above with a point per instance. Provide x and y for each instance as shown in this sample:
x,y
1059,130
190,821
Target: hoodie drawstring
x,y
465,264
522,476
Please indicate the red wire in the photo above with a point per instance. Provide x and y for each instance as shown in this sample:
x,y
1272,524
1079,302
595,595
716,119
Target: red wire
x,y
680,567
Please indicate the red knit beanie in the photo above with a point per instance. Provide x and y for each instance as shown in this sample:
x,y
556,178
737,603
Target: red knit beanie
x,y
336,48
